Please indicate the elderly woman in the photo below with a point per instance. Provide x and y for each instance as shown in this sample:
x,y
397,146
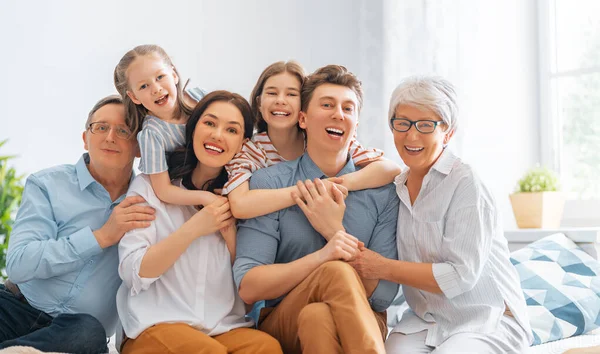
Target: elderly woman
x,y
462,290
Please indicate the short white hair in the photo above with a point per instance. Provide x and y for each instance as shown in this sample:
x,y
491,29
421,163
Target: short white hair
x,y
430,92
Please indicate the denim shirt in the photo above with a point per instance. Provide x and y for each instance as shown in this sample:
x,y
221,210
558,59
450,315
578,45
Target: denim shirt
x,y
286,235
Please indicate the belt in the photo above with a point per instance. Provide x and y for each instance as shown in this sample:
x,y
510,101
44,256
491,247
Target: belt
x,y
14,289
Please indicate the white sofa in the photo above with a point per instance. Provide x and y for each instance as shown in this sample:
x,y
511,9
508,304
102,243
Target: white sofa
x,y
588,239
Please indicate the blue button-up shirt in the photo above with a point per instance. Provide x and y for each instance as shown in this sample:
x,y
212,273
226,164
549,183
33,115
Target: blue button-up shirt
x,y
287,235
53,255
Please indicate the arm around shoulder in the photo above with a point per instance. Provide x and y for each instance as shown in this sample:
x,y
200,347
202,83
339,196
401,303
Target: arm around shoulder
x,y
247,203
375,174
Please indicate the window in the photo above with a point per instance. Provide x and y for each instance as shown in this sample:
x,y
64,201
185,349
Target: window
x,y
570,102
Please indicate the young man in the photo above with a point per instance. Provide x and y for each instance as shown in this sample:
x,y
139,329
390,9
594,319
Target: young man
x,y
62,257
316,302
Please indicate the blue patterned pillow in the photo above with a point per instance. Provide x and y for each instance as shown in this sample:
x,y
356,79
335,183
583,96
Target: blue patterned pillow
x,y
561,286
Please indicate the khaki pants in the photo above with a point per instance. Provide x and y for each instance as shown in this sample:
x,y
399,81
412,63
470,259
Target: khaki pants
x,y
328,312
182,338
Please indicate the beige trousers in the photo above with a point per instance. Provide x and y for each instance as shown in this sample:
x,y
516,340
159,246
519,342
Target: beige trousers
x,y
171,338
328,312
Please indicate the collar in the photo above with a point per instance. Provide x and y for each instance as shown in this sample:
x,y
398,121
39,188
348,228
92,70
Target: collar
x,y
444,165
445,162
311,169
83,174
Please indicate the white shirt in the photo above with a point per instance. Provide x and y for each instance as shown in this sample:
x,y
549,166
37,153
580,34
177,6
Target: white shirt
x,y
198,289
454,225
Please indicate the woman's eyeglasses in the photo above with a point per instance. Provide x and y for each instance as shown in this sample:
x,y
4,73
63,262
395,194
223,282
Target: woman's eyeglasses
x,y
424,126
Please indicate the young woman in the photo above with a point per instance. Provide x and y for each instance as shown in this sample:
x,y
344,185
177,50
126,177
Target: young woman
x,y
178,294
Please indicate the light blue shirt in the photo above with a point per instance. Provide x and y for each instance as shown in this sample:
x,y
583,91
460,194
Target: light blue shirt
x,y
53,255
287,235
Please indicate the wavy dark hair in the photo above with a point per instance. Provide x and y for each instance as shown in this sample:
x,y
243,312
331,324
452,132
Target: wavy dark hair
x,y
183,161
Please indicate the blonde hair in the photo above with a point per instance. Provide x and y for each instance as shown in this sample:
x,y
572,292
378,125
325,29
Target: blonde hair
x,y
277,68
135,114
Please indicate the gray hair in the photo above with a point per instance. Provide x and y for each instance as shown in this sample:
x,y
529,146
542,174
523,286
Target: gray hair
x,y
430,92
112,99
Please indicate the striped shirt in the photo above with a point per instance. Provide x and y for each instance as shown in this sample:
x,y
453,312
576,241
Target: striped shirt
x,y
157,138
259,152
454,225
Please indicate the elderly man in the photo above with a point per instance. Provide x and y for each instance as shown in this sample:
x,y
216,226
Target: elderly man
x,y
62,257
316,302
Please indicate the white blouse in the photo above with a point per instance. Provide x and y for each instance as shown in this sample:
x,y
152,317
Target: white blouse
x,y
197,290
454,224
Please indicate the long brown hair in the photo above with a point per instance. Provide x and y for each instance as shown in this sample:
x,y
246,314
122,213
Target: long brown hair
x,y
135,114
277,68
183,161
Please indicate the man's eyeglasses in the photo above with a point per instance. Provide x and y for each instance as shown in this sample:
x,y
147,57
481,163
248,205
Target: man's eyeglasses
x,y
424,126
102,128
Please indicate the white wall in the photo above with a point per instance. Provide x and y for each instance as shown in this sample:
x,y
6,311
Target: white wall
x,y
58,57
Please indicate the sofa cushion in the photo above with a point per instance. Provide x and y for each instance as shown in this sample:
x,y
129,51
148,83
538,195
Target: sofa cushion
x,y
561,286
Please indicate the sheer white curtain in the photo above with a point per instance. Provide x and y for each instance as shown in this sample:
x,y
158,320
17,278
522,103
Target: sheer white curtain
x,y
488,49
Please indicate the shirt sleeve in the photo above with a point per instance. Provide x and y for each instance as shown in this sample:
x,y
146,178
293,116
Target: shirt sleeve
x,y
135,243
383,241
257,238
153,152
34,250
196,93
361,155
249,160
466,247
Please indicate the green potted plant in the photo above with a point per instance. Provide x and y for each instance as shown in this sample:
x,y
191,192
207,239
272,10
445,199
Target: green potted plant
x,y
11,189
537,201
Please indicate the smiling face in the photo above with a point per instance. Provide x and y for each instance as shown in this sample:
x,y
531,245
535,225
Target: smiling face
x,y
420,151
219,134
279,101
107,151
330,118
152,83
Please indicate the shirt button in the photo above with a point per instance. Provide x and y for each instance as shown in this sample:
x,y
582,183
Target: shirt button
x,y
91,261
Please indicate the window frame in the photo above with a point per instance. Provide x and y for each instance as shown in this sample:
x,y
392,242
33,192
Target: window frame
x,y
578,212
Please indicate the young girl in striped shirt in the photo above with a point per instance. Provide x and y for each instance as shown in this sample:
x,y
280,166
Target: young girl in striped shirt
x,y
275,102
151,90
